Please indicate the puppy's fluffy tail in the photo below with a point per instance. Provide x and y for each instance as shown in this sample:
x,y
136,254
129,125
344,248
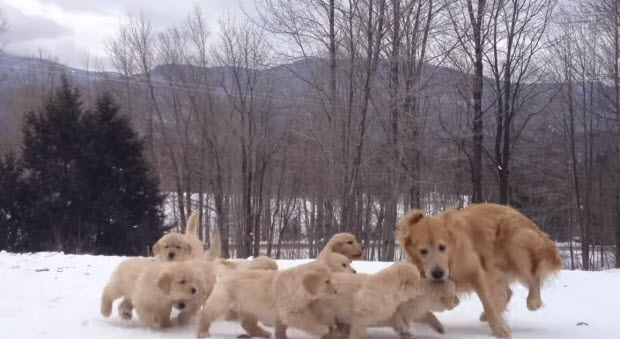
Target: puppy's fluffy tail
x,y
192,225
215,249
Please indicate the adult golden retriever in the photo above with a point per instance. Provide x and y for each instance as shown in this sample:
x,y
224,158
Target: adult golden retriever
x,y
482,249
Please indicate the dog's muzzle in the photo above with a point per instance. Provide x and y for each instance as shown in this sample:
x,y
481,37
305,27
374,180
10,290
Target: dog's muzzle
x,y
171,256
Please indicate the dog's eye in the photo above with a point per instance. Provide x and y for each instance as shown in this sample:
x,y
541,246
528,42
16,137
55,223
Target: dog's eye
x,y
327,281
424,251
344,265
182,282
442,247
178,247
166,247
350,242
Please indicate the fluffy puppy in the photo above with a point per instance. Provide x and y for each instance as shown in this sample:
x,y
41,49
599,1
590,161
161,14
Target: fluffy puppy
x,y
365,300
177,246
123,283
482,248
345,244
435,296
336,262
154,290
269,296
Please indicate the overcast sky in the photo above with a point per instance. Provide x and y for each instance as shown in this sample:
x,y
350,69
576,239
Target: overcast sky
x,y
71,29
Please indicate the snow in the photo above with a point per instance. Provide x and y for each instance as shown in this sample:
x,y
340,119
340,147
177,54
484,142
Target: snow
x,y
53,295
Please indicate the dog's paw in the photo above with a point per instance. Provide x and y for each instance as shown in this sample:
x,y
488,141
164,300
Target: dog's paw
x,y
126,315
501,331
203,334
534,303
483,317
450,302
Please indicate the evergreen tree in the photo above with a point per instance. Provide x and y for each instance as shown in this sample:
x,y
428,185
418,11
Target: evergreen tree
x,y
14,204
122,199
88,181
52,142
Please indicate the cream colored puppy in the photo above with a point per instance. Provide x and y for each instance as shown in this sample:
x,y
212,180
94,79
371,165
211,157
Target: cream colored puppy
x,y
365,300
153,291
179,247
345,244
435,296
269,296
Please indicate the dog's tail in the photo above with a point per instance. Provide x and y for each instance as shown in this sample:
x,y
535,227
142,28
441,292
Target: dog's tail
x,y
215,249
192,225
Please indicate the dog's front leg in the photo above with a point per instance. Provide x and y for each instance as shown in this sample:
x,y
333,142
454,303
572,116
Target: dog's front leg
x,y
250,325
280,330
493,316
431,320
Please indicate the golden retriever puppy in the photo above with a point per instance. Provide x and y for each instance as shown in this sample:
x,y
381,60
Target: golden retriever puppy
x,y
269,296
177,246
482,248
154,290
122,283
435,296
345,244
336,262
365,300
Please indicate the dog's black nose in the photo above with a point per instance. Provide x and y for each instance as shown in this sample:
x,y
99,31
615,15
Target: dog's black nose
x,y
181,306
437,273
193,290
171,255
354,271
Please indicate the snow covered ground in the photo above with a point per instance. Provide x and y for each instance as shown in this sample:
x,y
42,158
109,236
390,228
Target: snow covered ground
x,y
54,296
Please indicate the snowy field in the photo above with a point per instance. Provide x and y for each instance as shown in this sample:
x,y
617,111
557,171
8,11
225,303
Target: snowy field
x,y
54,296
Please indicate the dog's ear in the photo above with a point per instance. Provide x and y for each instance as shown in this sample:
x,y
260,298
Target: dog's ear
x,y
413,217
164,282
407,221
156,248
312,282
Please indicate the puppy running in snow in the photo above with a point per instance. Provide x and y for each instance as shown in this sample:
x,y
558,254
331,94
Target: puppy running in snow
x,y
177,246
345,244
151,287
365,300
273,297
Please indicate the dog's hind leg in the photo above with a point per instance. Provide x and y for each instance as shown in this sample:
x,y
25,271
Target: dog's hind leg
x,y
534,300
110,293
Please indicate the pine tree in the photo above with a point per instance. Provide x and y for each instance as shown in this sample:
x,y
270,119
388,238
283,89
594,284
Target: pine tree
x,y
122,197
14,204
52,142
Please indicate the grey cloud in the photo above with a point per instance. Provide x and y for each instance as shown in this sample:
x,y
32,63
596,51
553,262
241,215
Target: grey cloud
x,y
24,27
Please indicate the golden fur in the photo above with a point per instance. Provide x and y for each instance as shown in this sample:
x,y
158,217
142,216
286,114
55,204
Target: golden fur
x,y
152,287
345,244
259,263
269,296
482,249
365,300
177,246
